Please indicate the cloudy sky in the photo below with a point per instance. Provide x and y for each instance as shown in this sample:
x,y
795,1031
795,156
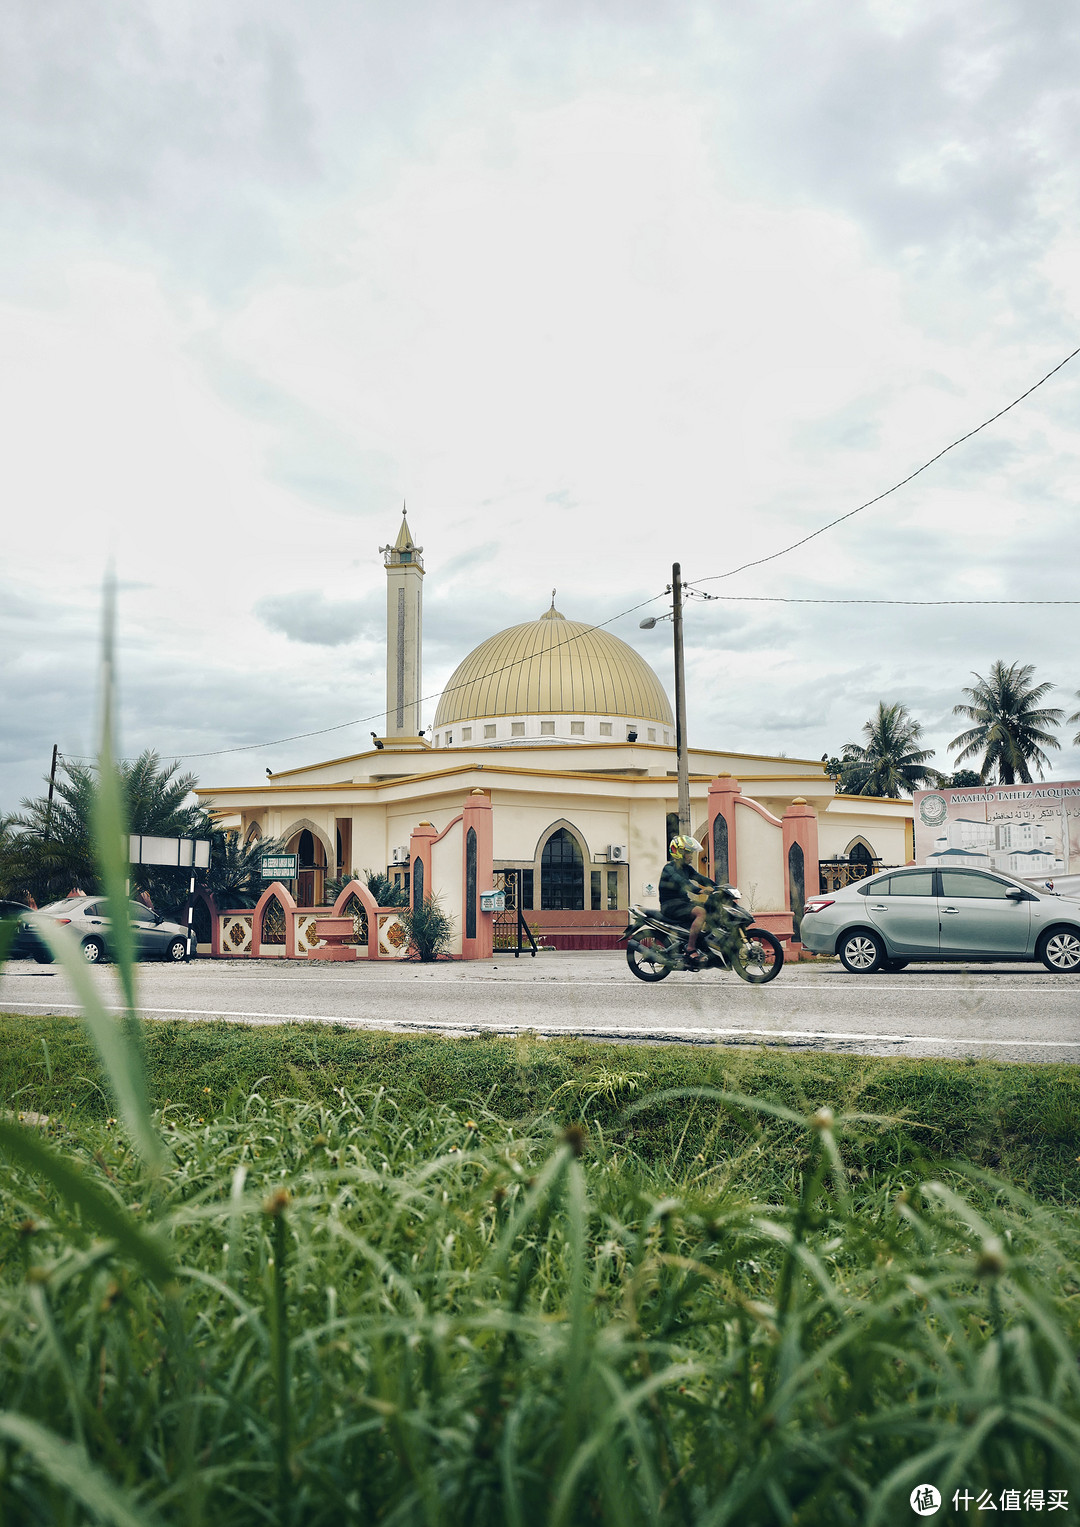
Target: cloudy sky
x,y
595,287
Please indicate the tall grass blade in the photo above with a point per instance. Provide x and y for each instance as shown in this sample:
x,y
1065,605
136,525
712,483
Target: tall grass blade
x,y
120,1056
67,1464
99,1208
109,816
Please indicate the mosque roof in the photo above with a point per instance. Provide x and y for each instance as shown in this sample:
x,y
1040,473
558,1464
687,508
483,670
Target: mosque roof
x,y
553,666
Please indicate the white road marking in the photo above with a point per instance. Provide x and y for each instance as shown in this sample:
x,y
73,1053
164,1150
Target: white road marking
x,y
561,1028
634,985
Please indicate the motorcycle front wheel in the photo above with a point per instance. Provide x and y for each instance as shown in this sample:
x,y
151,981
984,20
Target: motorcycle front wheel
x,y
760,958
651,959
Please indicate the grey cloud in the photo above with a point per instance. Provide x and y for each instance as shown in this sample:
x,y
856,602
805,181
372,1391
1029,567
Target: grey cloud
x,y
308,616
962,126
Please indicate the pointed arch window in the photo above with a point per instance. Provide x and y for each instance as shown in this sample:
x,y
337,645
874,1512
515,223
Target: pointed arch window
x,y
562,874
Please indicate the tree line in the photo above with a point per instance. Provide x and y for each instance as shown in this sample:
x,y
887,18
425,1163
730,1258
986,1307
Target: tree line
x,y
1009,735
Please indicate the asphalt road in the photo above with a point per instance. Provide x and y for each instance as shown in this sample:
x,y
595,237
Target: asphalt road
x,y
1007,1012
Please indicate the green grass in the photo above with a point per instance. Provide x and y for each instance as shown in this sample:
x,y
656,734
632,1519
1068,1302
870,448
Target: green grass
x,y
1020,1122
380,1307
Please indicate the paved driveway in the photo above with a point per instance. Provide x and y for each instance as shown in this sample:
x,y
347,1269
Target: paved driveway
x,y
1012,1012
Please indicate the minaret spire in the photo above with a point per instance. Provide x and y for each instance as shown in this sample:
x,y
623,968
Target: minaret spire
x,y
404,632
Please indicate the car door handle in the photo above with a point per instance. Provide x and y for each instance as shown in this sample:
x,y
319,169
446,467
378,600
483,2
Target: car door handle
x,y
950,909
879,906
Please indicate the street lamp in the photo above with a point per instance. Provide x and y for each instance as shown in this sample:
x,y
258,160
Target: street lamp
x,y
680,692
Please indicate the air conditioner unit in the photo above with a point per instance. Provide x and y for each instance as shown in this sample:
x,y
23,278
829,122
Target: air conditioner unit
x,y
617,853
400,855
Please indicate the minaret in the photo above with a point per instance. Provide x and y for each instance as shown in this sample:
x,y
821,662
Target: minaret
x,y
404,631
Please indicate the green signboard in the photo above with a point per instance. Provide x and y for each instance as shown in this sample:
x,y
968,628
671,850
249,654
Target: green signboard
x,y
279,866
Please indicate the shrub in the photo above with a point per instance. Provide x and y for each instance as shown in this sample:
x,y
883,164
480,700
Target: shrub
x,y
428,929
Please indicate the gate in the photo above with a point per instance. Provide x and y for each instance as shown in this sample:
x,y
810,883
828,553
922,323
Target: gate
x,y
511,934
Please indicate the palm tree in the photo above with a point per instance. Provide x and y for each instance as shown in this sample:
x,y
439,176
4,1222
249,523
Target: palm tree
x,y
234,878
1076,717
54,839
889,763
1010,728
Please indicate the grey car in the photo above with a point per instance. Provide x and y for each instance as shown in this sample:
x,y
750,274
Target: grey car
x,y
155,939
949,914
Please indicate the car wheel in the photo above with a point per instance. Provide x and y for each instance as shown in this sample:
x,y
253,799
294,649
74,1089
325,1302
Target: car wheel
x,y
893,966
1059,950
93,951
177,950
43,957
860,952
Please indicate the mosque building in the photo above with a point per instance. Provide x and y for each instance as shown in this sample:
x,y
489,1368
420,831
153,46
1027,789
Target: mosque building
x,y
550,771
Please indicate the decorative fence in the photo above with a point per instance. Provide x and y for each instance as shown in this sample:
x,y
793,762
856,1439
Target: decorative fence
x,y
276,928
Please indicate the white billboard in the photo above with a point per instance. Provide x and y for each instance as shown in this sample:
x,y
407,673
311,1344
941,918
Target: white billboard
x,y
175,852
1030,831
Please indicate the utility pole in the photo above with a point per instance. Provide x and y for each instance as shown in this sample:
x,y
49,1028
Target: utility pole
x,y
680,701
52,787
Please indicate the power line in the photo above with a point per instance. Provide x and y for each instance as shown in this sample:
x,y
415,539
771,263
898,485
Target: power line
x,y
340,726
251,747
783,599
715,577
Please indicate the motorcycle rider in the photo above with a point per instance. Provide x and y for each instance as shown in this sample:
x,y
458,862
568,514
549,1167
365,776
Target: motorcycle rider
x,y
684,891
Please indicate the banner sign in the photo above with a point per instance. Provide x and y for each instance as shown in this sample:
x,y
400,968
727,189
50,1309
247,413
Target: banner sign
x,y
173,852
280,866
1029,831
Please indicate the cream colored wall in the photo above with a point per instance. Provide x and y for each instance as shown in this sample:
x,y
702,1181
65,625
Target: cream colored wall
x,y
519,826
760,857
447,858
648,846
884,834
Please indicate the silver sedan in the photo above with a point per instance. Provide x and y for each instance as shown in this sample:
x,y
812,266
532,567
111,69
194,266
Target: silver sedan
x,y
951,914
87,916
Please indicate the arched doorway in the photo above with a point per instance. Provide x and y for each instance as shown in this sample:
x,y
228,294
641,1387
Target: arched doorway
x,y
310,869
562,874
861,860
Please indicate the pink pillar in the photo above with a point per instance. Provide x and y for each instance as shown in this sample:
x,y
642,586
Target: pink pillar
x,y
477,872
420,842
723,793
800,859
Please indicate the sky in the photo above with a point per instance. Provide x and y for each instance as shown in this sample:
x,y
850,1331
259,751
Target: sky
x,y
593,288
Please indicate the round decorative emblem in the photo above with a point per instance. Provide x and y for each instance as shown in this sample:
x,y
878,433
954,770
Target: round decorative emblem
x,y
933,809
395,935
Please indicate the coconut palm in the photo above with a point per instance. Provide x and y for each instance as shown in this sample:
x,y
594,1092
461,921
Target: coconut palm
x,y
1076,717
1010,725
889,763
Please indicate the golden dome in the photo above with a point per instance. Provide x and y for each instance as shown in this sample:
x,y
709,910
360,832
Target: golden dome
x,y
553,666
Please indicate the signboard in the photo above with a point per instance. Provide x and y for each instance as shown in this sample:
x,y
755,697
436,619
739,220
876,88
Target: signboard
x,y
280,866
1029,831
493,901
175,853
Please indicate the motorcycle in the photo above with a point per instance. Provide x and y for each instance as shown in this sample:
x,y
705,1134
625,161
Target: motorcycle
x,y
728,941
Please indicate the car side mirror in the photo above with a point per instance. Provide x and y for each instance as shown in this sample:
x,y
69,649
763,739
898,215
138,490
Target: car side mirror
x,y
158,917
1014,893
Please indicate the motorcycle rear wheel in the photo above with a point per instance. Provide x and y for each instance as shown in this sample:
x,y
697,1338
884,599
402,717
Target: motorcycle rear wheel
x,y
760,959
652,961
